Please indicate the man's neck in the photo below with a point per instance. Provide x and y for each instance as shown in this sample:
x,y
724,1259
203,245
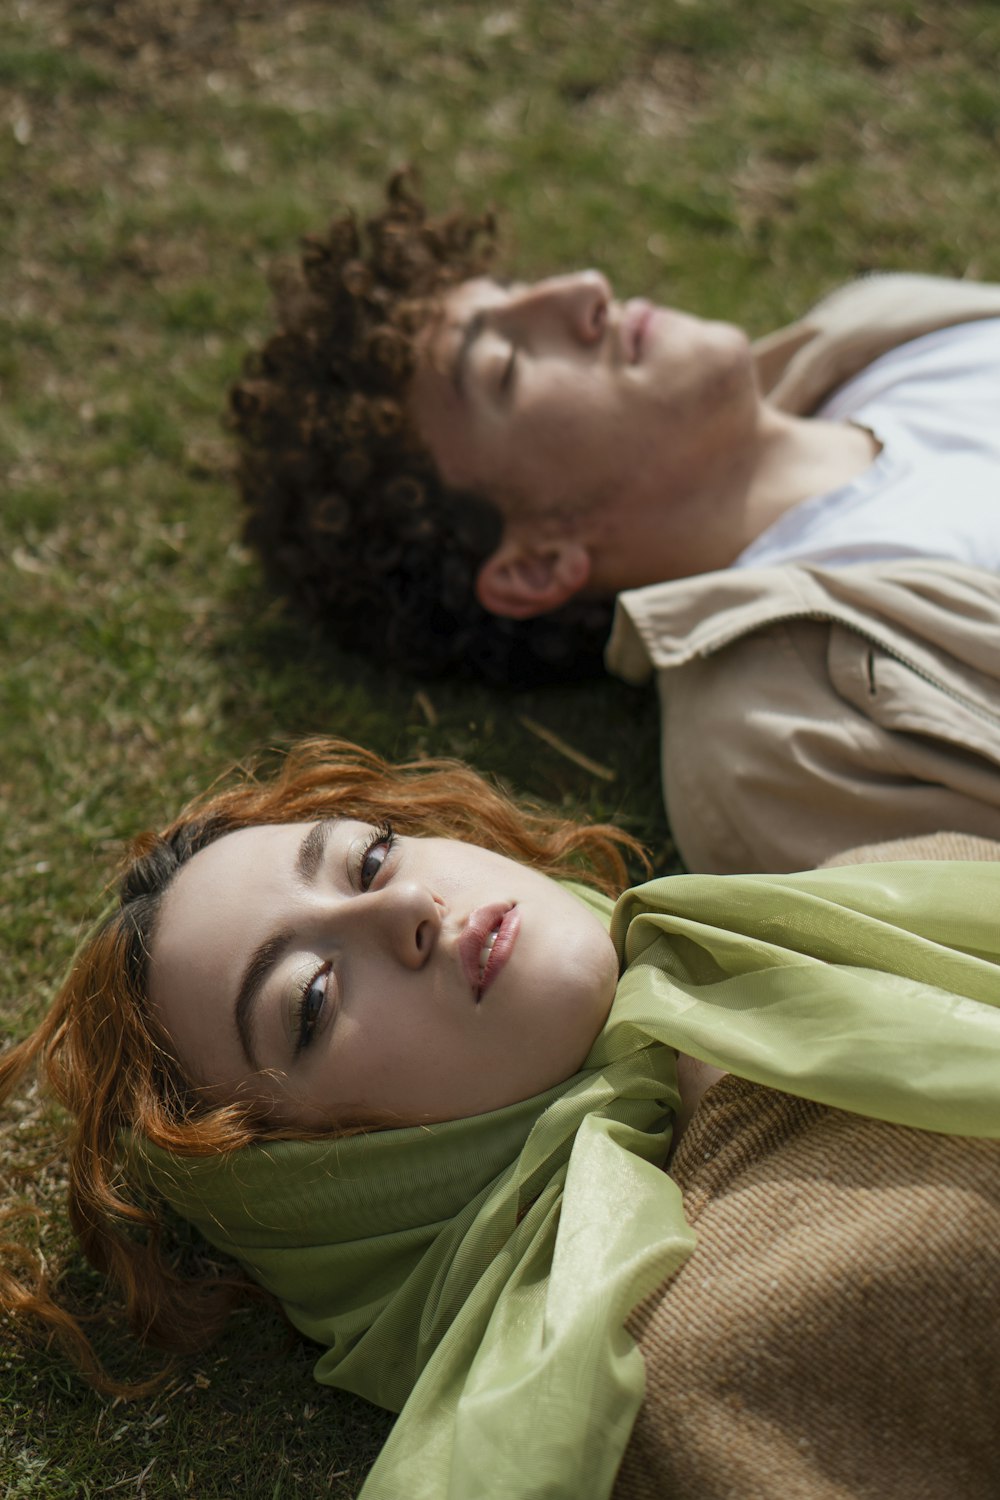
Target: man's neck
x,y
799,457
787,460
678,532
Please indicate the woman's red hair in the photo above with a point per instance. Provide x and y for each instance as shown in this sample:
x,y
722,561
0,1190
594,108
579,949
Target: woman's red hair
x,y
108,1064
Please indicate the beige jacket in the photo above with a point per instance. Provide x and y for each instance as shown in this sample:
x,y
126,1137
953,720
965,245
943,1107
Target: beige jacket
x,y
805,709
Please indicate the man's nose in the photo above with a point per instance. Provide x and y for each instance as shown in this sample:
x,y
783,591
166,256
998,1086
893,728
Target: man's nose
x,y
579,301
404,917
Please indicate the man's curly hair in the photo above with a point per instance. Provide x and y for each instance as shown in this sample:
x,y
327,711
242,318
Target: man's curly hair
x,y
344,504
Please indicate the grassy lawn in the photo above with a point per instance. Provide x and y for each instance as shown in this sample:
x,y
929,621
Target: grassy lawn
x,y
155,157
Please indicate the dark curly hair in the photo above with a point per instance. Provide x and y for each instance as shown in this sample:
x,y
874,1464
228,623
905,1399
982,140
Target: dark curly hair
x,y
344,504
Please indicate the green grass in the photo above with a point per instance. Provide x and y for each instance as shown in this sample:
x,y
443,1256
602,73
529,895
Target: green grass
x,y
734,158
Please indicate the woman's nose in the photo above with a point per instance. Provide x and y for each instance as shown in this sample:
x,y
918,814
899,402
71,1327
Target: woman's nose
x,y
406,918
580,301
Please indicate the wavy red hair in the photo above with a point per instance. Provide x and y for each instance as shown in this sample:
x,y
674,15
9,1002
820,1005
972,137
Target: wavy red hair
x,y
110,1066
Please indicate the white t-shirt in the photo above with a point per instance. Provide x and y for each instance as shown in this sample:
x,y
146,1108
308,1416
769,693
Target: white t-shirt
x,y
934,488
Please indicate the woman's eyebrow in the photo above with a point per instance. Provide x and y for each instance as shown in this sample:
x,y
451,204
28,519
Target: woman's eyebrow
x,y
262,961
308,863
312,850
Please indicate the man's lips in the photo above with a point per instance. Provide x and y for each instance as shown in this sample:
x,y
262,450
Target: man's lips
x,y
638,313
486,943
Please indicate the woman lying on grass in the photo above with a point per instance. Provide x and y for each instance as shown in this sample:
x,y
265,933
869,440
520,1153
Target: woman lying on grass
x,y
354,1023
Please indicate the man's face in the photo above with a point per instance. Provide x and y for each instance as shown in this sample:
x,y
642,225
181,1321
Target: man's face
x,y
575,412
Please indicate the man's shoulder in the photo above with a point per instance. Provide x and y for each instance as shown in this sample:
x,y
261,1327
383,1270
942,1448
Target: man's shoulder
x,y
668,625
799,365
664,625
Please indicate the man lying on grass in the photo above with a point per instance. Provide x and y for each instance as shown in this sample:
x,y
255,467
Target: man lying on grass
x,y
457,472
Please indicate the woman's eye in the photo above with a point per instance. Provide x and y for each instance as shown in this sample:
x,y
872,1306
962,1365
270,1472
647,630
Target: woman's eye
x,y
375,854
309,1009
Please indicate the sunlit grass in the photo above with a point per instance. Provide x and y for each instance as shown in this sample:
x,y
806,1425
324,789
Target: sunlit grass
x,y
736,159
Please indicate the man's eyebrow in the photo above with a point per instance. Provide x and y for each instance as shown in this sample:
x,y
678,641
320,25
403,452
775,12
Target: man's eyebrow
x,y
473,328
470,333
264,957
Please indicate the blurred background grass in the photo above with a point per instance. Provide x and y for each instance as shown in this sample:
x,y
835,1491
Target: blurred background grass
x,y
155,157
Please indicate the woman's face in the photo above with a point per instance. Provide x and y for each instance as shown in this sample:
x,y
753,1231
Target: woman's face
x,y
335,973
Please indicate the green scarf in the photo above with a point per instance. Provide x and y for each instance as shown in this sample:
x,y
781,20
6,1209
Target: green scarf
x,y
481,1271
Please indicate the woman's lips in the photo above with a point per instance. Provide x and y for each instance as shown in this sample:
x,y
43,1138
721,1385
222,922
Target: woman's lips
x,y
486,943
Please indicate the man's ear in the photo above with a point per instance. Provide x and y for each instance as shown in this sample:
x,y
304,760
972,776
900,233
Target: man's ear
x,y
521,579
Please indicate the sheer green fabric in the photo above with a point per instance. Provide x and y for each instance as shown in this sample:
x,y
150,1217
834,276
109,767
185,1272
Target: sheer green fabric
x,y
481,1271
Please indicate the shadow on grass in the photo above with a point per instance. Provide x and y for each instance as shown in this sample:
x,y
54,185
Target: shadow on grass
x,y
590,749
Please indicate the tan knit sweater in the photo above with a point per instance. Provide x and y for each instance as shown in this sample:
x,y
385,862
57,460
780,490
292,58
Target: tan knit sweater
x,y
834,1335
